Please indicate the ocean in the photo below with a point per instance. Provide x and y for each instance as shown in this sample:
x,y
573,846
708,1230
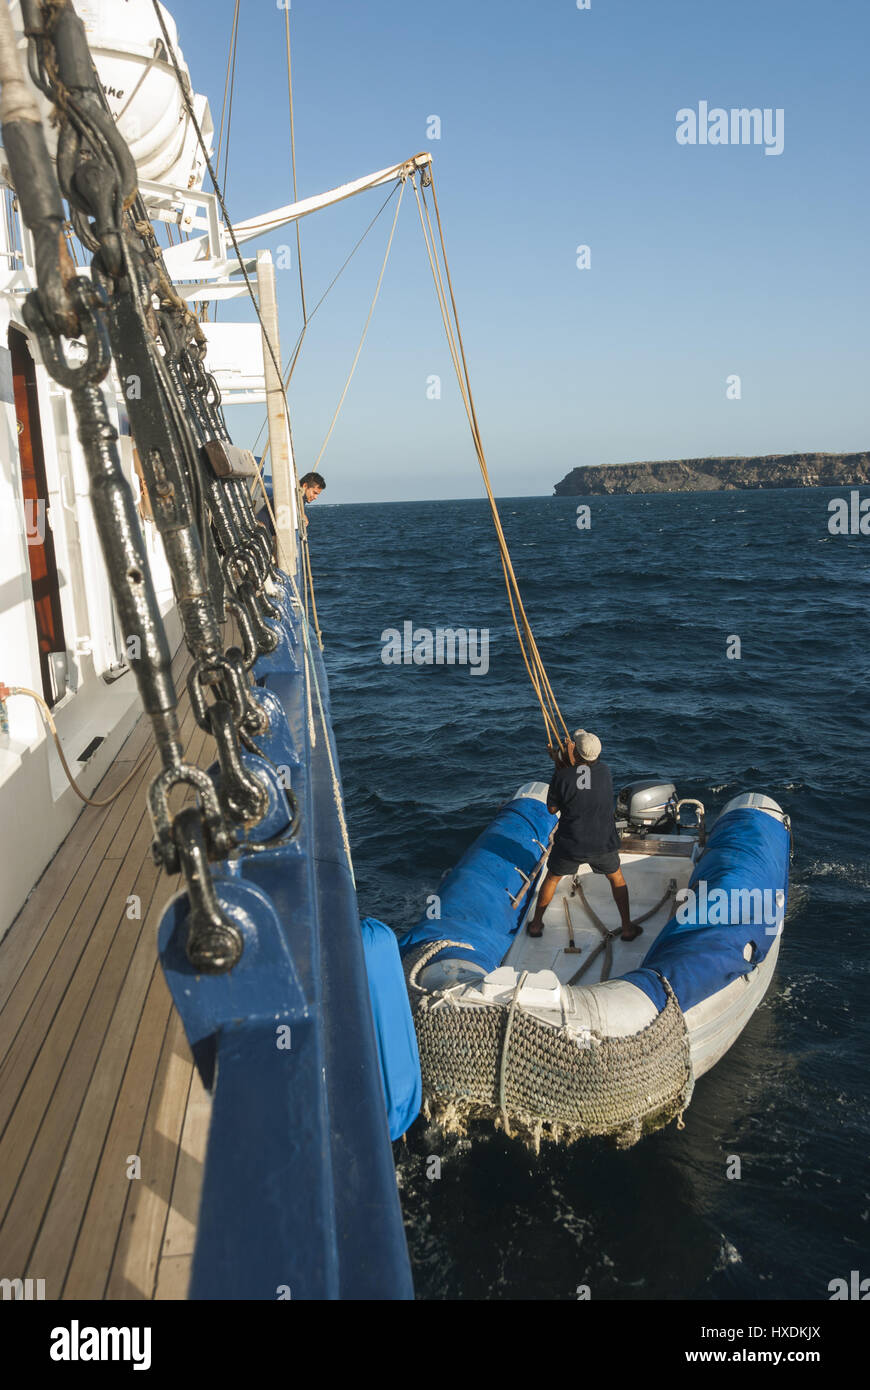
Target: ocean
x,y
635,618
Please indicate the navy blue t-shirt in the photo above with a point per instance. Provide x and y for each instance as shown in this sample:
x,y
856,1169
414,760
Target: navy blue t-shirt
x,y
584,796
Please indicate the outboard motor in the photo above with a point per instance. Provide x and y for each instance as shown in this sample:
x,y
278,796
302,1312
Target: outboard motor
x,y
648,805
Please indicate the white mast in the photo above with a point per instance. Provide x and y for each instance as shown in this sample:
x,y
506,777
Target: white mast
x,y
280,445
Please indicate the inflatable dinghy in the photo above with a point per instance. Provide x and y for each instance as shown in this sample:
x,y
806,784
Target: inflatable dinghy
x,y
579,1033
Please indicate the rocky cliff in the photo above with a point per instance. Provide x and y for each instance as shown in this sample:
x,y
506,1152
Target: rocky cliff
x,y
718,474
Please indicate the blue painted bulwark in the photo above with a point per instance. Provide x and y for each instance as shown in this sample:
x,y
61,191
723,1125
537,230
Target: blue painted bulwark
x,y
299,1195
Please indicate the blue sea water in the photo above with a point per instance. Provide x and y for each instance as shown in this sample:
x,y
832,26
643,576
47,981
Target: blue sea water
x,y
633,619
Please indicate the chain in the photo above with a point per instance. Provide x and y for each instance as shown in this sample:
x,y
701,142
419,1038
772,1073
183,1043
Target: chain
x,y
220,558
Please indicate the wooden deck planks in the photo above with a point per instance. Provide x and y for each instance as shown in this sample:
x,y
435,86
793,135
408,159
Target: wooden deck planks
x,y
94,1065
97,1237
80,1029
134,1268
53,887
180,1235
72,1191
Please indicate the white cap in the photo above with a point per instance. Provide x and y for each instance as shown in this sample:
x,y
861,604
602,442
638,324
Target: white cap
x,y
588,745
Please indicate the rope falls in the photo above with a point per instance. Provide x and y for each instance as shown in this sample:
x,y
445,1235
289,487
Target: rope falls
x,y
534,664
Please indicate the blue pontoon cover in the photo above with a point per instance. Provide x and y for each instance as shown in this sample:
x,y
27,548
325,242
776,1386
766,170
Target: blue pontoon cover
x,y
747,849
394,1027
475,898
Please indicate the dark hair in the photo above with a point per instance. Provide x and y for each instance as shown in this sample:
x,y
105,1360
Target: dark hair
x,y
313,480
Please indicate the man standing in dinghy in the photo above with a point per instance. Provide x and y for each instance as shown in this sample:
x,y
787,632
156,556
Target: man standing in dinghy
x,y
582,793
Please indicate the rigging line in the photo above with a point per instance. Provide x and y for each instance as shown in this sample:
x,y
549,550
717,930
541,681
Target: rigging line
x,y
549,725
230,103
537,673
229,226
229,87
336,785
155,57
307,576
230,58
365,328
293,162
294,356
497,520
218,191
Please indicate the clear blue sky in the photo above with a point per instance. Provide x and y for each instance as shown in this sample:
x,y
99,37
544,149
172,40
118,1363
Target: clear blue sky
x,y
558,128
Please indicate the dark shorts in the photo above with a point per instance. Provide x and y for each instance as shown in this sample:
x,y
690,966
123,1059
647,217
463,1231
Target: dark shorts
x,y
604,864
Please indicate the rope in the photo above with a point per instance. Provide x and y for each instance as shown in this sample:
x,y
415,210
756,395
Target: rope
x,y
49,719
432,949
669,892
336,786
229,86
550,710
308,577
183,87
610,936
502,1070
294,356
365,328
605,945
293,165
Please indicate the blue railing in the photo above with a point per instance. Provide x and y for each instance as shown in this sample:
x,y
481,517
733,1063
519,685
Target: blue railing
x,y
299,1196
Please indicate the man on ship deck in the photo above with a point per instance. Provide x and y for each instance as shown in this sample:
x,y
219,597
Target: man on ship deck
x,y
311,487
582,793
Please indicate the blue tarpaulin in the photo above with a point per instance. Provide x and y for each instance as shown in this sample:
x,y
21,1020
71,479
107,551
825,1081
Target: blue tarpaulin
x,y
474,901
394,1027
747,850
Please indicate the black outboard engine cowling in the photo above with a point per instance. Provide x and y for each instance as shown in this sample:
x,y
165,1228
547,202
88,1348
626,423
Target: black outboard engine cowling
x,y
648,805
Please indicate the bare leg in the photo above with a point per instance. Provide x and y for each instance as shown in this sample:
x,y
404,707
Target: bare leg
x,y
536,926
619,889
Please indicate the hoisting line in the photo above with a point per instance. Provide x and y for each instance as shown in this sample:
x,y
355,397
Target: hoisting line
x,y
550,710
